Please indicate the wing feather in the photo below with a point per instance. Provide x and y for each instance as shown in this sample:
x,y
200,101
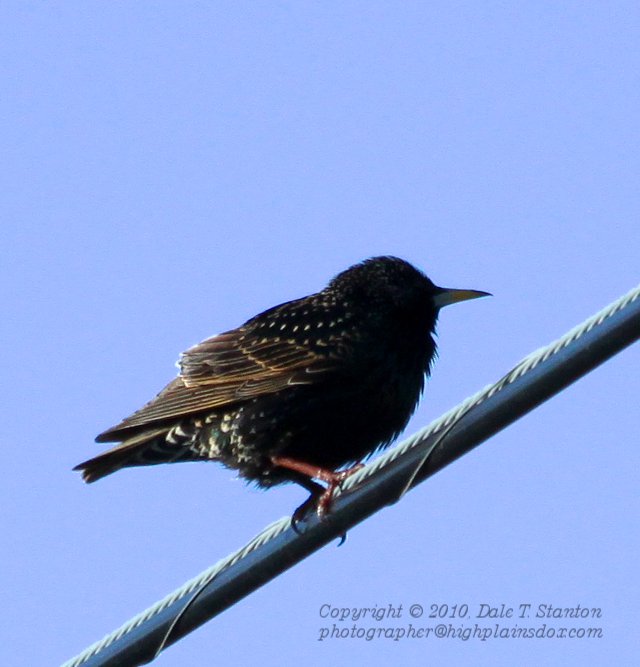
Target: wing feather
x,y
233,366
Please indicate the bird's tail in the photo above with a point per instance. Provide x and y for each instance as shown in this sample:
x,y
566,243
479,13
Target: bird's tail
x,y
146,448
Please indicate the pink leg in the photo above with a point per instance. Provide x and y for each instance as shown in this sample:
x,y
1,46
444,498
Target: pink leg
x,y
332,478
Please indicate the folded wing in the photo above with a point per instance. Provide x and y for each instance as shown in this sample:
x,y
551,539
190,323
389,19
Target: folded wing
x,y
234,366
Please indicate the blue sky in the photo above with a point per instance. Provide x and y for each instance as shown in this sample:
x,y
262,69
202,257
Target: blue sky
x,y
171,169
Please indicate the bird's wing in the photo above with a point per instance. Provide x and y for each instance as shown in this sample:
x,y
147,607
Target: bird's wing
x,y
231,367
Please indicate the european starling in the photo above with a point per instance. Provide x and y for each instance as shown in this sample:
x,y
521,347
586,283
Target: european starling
x,y
299,391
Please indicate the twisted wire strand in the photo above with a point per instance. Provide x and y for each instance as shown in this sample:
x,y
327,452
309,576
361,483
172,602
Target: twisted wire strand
x,y
270,532
446,421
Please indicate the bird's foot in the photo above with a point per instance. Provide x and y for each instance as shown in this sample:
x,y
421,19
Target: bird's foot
x,y
320,499
334,482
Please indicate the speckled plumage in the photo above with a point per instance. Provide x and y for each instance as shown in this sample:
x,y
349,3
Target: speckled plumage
x,y
325,380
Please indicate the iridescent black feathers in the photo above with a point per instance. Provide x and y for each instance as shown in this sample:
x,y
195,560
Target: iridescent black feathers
x,y
324,381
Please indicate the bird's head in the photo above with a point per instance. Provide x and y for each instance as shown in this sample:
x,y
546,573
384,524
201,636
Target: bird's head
x,y
392,284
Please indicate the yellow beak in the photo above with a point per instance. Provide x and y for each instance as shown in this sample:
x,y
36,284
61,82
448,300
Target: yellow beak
x,y
447,296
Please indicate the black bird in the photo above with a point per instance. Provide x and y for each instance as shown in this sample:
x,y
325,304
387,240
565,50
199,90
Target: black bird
x,y
299,391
